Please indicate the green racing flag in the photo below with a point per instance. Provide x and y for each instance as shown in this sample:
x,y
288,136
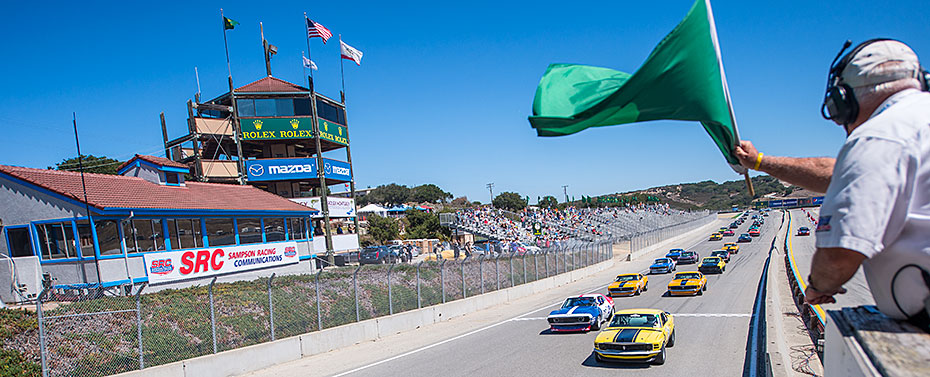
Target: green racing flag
x,y
682,79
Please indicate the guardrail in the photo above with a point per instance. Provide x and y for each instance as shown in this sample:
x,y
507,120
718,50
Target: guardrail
x,y
813,316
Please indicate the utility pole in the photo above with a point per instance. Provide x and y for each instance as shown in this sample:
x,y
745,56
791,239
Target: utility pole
x,y
565,191
490,187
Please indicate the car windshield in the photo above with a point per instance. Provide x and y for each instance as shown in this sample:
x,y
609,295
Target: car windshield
x,y
711,260
578,301
744,235
634,320
675,250
729,244
687,253
370,249
803,228
627,278
718,253
688,276
661,261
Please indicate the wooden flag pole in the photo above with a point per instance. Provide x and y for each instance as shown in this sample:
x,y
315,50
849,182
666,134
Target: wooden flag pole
x,y
752,192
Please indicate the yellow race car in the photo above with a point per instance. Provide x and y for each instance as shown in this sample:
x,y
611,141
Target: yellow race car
x,y
716,236
713,265
688,283
628,285
637,335
732,247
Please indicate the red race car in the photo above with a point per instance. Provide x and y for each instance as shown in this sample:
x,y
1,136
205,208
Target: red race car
x,y
754,232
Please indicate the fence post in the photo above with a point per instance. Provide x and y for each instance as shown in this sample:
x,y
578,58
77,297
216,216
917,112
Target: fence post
x,y
358,313
41,320
271,307
524,268
212,315
464,288
390,290
139,324
497,270
319,313
546,259
574,250
442,279
511,268
536,264
419,304
481,270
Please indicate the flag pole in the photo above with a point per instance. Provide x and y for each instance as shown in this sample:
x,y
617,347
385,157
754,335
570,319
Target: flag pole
x,y
342,71
726,91
225,44
309,54
90,222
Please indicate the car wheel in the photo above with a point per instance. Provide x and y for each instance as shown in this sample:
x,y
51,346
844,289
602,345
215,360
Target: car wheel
x,y
704,288
671,339
660,358
700,292
598,357
646,287
597,325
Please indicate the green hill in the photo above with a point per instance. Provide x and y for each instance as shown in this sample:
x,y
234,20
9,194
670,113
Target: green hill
x,y
712,195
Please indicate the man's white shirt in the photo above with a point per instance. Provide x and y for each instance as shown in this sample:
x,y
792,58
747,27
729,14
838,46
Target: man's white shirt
x,y
878,201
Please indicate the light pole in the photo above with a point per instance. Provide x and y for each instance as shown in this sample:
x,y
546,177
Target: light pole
x,y
490,187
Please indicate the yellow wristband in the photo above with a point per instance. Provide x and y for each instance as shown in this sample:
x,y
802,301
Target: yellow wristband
x,y
758,161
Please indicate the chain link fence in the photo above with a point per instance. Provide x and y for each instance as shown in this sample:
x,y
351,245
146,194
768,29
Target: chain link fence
x,y
87,331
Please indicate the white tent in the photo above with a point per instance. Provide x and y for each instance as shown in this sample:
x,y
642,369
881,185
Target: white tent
x,y
373,209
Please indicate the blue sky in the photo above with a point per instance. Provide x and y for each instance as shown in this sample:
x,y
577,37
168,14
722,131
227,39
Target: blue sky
x,y
444,89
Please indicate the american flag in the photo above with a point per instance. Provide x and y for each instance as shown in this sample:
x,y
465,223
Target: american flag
x,y
316,30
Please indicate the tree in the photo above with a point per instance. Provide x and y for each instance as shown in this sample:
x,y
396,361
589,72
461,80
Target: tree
x,y
509,201
461,201
92,164
548,202
392,194
429,193
424,225
383,229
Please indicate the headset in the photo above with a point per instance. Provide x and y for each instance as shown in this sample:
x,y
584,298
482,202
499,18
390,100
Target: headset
x,y
839,103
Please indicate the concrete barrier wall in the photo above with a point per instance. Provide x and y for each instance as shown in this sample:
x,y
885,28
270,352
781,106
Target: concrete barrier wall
x,y
242,360
671,241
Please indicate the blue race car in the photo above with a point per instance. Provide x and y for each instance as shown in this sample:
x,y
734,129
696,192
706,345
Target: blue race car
x,y
674,254
662,265
745,237
582,313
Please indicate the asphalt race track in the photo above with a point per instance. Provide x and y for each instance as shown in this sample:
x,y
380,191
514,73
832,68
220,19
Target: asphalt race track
x,y
711,330
803,248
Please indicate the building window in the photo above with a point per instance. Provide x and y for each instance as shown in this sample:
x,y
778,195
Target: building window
x,y
329,112
172,178
85,238
19,241
250,230
220,231
108,236
273,107
274,229
246,107
144,235
185,233
302,106
297,228
56,240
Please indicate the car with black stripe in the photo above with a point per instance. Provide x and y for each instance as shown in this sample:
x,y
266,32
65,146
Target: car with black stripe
x,y
636,335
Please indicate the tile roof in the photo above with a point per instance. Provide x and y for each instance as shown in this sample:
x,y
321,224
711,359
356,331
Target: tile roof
x,y
160,161
271,84
116,191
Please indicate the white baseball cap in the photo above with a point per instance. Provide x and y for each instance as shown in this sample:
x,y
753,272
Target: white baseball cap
x,y
865,68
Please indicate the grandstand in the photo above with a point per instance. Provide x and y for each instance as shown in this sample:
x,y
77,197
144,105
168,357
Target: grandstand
x,y
582,224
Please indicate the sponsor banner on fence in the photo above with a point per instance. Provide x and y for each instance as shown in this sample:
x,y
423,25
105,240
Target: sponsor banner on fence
x,y
338,207
279,169
179,265
276,128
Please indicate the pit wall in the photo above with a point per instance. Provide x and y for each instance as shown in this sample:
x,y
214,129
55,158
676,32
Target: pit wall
x,y
243,360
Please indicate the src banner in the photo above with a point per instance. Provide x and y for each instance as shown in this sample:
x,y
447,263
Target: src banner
x,y
280,169
179,265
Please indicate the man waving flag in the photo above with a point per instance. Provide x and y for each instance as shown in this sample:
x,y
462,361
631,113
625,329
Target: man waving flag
x,y
682,79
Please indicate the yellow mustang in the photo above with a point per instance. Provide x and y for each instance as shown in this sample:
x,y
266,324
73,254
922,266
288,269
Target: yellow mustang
x,y
713,264
688,283
628,285
732,247
716,236
638,335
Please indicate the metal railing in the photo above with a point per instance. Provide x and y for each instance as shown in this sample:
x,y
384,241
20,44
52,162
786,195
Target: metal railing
x,y
96,332
642,240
